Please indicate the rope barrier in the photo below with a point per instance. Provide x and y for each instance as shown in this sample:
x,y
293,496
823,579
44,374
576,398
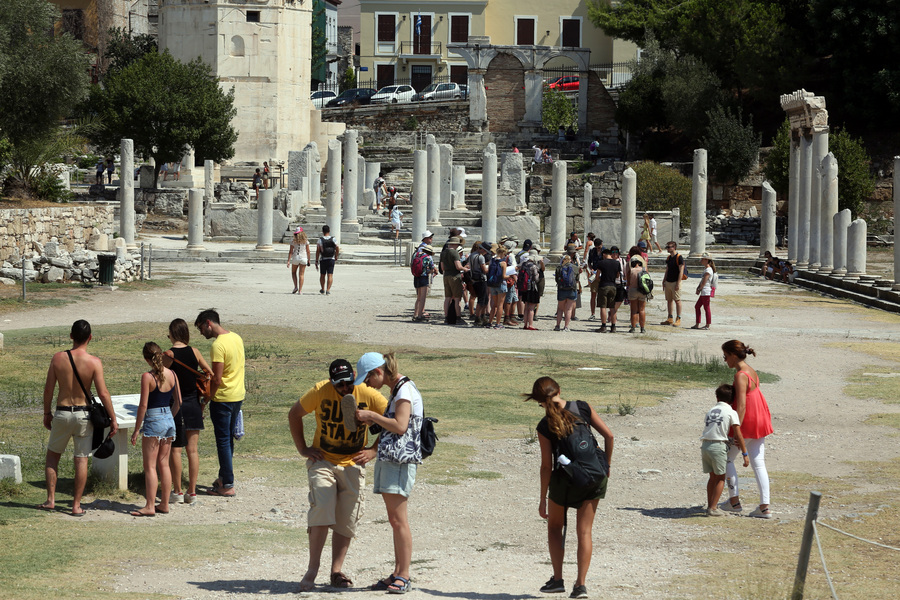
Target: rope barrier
x,y
824,566
857,538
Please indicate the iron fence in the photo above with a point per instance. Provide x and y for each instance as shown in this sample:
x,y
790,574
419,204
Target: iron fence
x,y
613,75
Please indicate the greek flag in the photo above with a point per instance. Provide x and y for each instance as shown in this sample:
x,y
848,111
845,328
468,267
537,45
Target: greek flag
x,y
419,24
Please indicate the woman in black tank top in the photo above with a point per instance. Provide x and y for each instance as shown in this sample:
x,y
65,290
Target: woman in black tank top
x,y
189,421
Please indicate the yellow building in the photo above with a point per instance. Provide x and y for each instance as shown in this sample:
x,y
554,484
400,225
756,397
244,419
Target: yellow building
x,y
407,39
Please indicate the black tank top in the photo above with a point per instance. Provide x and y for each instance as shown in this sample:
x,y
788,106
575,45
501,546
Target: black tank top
x,y
186,379
158,399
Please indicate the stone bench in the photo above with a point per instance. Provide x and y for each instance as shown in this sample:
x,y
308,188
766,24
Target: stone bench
x,y
115,468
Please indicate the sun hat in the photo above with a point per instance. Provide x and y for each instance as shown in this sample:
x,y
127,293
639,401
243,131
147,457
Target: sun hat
x,y
427,234
366,363
705,255
454,240
428,249
486,246
461,232
340,371
571,248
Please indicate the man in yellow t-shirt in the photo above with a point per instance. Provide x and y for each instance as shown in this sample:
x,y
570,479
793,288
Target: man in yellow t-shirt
x,y
335,466
227,388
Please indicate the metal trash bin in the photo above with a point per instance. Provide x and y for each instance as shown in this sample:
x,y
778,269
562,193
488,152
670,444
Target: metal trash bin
x,y
107,268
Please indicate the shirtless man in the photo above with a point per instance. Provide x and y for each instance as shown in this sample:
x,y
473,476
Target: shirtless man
x,y
70,419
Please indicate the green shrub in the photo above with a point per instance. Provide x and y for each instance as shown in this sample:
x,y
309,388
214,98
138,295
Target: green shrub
x,y
855,182
733,147
87,161
411,123
557,111
662,188
778,163
47,186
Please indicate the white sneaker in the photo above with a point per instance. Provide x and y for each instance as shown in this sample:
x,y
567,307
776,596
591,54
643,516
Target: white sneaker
x,y
714,512
176,498
727,507
190,498
760,514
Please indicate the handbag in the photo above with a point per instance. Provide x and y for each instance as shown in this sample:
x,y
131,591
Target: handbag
x,y
100,419
203,380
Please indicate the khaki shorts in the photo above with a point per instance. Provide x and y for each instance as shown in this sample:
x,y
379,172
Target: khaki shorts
x,y
714,456
595,284
606,297
335,496
672,290
453,287
635,295
67,425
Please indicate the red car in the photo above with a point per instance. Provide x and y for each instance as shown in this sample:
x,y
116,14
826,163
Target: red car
x,y
567,83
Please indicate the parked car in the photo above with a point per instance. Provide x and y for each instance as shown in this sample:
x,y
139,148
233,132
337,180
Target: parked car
x,y
464,91
320,98
393,94
352,96
439,91
565,84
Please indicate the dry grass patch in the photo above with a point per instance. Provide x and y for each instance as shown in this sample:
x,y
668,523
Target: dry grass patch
x,y
885,420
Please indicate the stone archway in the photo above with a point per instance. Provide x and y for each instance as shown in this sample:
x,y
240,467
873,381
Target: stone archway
x,y
504,92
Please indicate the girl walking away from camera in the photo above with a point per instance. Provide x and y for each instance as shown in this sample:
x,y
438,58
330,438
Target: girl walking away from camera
x,y
558,492
189,420
159,391
705,290
756,424
298,259
399,451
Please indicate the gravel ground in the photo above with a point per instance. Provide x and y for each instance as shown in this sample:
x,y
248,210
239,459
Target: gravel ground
x,y
484,538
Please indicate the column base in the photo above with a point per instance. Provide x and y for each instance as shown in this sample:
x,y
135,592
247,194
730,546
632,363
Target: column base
x,y
802,265
431,224
826,270
265,248
896,287
196,247
839,272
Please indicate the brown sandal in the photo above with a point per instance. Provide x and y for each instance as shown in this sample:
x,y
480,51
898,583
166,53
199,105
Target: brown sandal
x,y
339,580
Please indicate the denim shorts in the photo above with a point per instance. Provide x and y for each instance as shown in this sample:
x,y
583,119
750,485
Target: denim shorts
x,y
394,478
158,423
511,296
566,295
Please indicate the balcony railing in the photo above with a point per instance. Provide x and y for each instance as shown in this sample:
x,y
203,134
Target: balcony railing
x,y
420,48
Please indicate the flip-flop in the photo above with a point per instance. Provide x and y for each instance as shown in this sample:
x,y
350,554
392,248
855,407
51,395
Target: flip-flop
x,y
46,508
165,512
221,492
75,514
348,409
137,513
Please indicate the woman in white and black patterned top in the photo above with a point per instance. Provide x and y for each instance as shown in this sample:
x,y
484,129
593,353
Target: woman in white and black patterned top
x,y
399,452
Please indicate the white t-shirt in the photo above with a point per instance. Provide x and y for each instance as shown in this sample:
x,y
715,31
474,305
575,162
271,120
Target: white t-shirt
x,y
652,226
707,289
719,421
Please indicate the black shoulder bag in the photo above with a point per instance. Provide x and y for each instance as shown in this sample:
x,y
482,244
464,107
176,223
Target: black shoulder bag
x,y
100,419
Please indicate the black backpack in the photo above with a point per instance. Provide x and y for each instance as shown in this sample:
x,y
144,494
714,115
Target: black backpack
x,y
328,248
594,258
588,465
428,436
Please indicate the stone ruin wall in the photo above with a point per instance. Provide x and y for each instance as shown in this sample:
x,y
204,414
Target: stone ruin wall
x,y
449,116
74,227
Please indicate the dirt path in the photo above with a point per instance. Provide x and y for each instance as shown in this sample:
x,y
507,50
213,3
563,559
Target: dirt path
x,y
483,538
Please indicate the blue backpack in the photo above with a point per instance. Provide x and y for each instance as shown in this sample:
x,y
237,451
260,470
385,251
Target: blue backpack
x,y
566,278
494,274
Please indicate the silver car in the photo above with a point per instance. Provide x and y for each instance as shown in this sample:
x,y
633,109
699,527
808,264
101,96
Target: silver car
x,y
321,97
439,91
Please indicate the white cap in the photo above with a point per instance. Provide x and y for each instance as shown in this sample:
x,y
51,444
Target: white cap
x,y
426,234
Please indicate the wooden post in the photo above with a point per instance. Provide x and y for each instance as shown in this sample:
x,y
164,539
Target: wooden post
x,y
812,512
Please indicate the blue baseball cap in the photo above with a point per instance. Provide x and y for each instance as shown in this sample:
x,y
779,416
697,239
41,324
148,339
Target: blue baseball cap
x,y
366,363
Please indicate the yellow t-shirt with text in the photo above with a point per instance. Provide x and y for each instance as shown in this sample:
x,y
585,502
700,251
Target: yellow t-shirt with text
x,y
338,444
228,349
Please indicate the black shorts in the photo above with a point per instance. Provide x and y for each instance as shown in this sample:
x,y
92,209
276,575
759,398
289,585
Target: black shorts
x,y
531,297
479,288
191,412
620,293
180,436
562,492
420,281
326,266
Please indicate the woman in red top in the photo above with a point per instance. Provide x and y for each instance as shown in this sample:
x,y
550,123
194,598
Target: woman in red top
x,y
756,424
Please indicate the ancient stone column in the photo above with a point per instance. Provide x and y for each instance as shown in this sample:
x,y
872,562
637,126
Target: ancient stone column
x,y
195,218
372,171
793,199
477,97
629,209
489,194
856,249
361,183
829,209
295,174
446,154
816,199
209,188
458,185
896,220
434,185
841,225
126,193
419,194
767,239
311,167
351,176
558,209
698,204
803,214
587,203
333,190
264,206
